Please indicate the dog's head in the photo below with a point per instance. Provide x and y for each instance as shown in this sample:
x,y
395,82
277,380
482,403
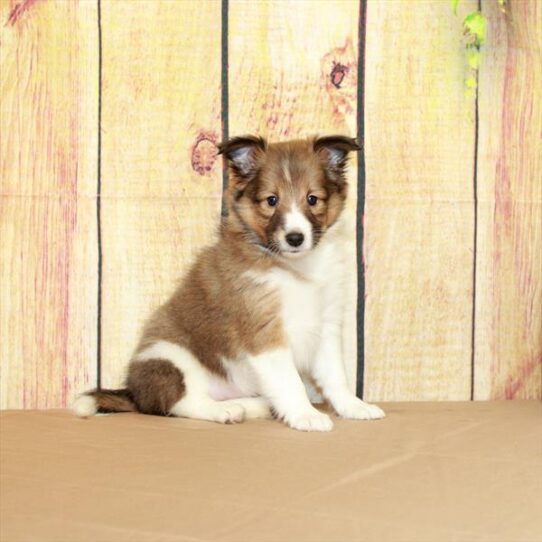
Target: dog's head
x,y
286,195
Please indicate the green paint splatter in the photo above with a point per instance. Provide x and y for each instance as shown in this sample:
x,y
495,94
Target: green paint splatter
x,y
474,36
455,3
473,57
474,28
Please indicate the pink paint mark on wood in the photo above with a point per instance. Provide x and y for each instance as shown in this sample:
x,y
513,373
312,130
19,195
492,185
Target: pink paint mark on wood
x,y
514,384
69,216
204,152
503,197
503,188
341,82
18,10
272,120
510,239
364,250
338,73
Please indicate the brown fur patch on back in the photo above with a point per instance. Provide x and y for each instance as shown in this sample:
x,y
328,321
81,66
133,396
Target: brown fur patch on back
x,y
218,312
156,385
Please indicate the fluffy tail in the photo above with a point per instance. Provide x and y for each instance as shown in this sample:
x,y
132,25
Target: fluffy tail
x,y
95,401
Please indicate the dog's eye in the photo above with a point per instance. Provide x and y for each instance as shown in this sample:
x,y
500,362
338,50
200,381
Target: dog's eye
x,y
312,199
272,201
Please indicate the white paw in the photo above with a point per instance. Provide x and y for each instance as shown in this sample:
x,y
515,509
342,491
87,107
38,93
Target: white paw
x,y
232,413
310,421
356,409
256,407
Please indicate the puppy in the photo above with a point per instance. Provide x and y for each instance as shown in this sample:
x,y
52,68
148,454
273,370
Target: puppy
x,y
260,310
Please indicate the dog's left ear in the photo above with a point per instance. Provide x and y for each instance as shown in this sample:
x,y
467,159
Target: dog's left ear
x,y
333,150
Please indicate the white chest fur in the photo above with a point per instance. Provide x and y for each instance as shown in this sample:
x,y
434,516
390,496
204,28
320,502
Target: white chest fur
x,y
312,302
301,302
311,295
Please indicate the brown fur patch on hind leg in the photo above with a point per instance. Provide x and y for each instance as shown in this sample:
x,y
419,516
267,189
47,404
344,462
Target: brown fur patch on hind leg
x,y
156,385
113,400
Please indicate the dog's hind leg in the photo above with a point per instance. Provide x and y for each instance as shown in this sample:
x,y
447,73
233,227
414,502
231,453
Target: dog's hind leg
x,y
195,401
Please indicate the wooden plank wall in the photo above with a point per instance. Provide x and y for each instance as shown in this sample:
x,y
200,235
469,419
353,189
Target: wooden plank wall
x,y
420,134
110,181
48,161
161,180
508,347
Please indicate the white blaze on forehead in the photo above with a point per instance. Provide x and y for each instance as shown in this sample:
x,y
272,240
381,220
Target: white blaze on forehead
x,y
285,164
296,221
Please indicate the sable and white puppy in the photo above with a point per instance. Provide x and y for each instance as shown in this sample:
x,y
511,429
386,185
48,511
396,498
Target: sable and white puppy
x,y
261,309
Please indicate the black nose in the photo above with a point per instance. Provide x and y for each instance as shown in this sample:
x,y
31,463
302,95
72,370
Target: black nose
x,y
295,238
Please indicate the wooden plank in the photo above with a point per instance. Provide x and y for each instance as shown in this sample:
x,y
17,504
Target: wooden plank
x,y
509,259
161,180
48,162
419,203
293,73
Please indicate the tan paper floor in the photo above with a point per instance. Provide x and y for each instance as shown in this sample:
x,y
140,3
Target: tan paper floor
x,y
428,472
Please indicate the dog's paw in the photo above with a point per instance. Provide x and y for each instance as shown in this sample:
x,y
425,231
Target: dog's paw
x,y
232,413
310,421
255,407
356,409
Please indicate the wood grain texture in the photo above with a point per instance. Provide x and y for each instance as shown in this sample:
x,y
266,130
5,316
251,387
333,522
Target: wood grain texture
x,y
293,73
161,180
419,205
48,255
509,260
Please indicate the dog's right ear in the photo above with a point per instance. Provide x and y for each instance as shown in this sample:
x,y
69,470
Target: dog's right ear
x,y
244,154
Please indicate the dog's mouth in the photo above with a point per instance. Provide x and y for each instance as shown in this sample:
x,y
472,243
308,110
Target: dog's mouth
x,y
294,253
275,248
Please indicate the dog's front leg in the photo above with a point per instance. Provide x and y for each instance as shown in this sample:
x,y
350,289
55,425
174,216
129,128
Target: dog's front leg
x,y
329,373
281,384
